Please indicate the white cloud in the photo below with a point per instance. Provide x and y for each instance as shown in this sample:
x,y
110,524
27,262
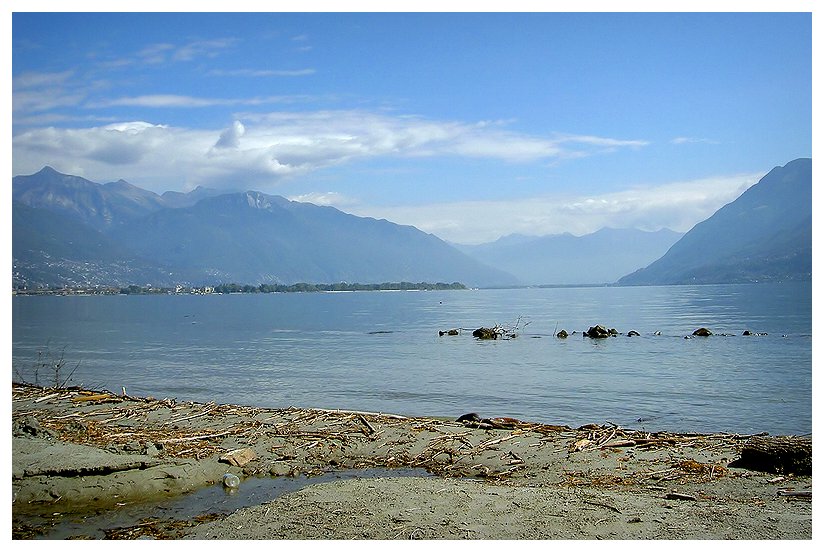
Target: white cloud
x,y
600,141
681,140
41,91
177,100
202,48
42,119
261,72
677,205
155,53
165,52
342,135
230,137
333,199
35,79
261,149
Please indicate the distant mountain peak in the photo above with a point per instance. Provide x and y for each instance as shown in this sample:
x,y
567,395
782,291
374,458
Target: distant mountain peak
x,y
47,170
98,205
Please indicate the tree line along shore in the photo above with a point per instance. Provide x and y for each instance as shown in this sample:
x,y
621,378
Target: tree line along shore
x,y
301,287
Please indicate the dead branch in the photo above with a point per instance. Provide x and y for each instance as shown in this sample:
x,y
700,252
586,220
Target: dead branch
x,y
366,423
196,437
680,496
183,419
607,506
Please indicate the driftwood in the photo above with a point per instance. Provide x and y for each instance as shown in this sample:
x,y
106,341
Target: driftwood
x,y
680,496
195,437
108,397
794,494
782,455
47,397
365,422
619,443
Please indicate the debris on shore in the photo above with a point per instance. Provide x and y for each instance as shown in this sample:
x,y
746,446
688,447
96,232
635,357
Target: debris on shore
x,y
74,447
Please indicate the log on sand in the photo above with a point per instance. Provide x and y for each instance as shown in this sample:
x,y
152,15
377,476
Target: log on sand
x,y
783,455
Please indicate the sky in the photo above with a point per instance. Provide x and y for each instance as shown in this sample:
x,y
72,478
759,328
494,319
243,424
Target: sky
x,y
471,126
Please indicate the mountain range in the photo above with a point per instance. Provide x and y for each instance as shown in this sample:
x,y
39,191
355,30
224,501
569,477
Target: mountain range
x,y
764,235
69,231
597,258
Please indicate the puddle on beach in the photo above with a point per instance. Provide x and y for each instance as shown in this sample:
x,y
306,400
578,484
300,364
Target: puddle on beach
x,y
203,502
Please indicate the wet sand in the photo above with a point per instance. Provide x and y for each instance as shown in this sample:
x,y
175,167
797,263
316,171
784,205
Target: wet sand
x,y
75,450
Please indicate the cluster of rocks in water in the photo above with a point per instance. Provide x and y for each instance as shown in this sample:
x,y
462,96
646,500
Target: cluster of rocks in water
x,y
483,333
600,332
594,332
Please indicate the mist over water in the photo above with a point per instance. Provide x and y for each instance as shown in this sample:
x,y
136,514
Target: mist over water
x,y
380,351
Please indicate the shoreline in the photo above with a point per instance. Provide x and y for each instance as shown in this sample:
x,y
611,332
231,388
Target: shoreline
x,y
496,478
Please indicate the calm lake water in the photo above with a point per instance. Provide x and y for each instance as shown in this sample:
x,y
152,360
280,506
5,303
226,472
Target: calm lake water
x,y
380,351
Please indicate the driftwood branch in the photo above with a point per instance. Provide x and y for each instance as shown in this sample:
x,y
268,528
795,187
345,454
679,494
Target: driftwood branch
x,y
365,422
602,505
796,494
196,437
362,413
680,496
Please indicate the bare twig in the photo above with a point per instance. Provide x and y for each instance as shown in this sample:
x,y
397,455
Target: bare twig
x,y
607,506
196,437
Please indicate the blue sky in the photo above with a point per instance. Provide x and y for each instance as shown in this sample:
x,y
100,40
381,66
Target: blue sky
x,y
467,125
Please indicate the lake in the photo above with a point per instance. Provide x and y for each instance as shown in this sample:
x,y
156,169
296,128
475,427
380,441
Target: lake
x,y
381,352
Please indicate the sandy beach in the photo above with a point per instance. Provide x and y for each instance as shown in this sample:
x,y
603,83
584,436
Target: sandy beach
x,y
487,478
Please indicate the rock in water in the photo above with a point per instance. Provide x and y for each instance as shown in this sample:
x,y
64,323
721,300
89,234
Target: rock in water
x,y
597,332
485,333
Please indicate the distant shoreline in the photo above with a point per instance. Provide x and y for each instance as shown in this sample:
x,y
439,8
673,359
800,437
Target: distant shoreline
x,y
226,289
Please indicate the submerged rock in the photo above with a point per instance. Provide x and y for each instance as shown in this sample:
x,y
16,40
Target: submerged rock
x,y
702,332
632,333
562,334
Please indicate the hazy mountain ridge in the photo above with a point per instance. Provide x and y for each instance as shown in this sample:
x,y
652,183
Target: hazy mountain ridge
x,y
600,257
764,235
53,247
101,206
70,231
203,237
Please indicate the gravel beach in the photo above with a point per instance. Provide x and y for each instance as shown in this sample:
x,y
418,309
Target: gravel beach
x,y
486,478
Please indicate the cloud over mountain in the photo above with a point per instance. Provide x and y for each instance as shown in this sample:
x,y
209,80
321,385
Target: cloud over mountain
x,y
262,148
675,205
